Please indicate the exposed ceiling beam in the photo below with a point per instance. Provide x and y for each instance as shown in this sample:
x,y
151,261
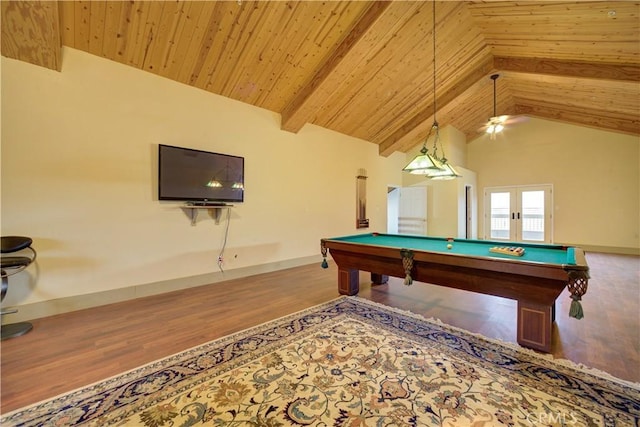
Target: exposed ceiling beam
x,y
311,97
628,72
406,134
581,116
31,32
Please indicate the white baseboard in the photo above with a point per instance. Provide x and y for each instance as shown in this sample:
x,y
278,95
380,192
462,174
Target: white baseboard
x,y
80,302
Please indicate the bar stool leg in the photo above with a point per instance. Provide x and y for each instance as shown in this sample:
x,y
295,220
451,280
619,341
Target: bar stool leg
x,y
11,330
15,330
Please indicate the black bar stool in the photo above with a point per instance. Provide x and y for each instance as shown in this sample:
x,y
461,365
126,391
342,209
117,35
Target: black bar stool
x,y
10,265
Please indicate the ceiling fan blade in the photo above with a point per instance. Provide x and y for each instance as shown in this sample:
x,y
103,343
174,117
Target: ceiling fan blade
x,y
505,120
512,120
499,119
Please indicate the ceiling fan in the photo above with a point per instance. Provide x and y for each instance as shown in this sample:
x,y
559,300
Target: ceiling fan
x,y
496,124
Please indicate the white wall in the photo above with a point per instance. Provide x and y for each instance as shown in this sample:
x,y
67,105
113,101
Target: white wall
x,y
595,177
79,169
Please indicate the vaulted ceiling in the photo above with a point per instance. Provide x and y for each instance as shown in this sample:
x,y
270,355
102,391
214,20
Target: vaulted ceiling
x,y
364,69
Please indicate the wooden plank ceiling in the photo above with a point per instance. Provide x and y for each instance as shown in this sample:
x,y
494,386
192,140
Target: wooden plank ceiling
x,y
364,69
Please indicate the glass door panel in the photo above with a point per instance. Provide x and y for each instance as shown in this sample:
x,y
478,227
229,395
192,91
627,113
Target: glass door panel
x,y
500,218
533,215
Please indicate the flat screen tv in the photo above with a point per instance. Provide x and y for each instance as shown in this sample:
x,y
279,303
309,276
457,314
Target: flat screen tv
x,y
200,177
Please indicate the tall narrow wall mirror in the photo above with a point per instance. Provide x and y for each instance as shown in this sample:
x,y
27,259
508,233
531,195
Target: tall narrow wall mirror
x,y
361,199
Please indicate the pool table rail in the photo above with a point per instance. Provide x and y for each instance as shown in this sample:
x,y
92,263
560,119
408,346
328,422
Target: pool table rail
x,y
488,262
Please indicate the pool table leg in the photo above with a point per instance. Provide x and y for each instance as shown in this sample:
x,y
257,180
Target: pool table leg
x,y
348,281
379,279
535,325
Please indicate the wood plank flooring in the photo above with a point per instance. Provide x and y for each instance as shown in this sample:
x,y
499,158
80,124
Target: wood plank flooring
x,y
71,350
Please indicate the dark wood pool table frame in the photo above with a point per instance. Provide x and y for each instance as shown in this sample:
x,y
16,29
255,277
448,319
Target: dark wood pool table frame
x,y
535,286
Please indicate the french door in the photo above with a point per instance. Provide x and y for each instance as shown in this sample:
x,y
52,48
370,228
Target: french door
x,y
519,214
412,215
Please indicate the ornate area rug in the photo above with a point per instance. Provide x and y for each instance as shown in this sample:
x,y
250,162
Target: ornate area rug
x,y
349,362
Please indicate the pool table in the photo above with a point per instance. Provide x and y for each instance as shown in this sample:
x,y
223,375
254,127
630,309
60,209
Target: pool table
x,y
535,279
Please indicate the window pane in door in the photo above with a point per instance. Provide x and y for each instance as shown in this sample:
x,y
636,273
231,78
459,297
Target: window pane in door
x,y
500,224
533,215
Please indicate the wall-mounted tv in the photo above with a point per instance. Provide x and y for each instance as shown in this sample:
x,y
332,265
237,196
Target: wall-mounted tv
x,y
197,176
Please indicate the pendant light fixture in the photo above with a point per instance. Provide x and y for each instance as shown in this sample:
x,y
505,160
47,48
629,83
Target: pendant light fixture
x,y
425,162
430,165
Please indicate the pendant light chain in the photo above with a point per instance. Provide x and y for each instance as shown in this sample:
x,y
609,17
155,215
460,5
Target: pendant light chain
x,y
435,109
436,126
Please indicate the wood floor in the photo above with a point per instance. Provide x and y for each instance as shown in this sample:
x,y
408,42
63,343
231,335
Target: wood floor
x,y
68,351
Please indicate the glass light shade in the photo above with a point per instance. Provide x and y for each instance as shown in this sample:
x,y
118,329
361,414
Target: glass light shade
x,y
423,164
214,183
495,128
448,172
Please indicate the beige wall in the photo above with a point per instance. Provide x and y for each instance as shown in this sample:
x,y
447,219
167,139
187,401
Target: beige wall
x,y
595,178
79,176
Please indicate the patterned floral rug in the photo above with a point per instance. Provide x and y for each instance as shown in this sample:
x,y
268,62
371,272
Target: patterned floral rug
x,y
349,362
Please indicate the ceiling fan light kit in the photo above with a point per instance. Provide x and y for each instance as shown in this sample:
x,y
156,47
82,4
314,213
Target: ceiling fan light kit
x,y
495,127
